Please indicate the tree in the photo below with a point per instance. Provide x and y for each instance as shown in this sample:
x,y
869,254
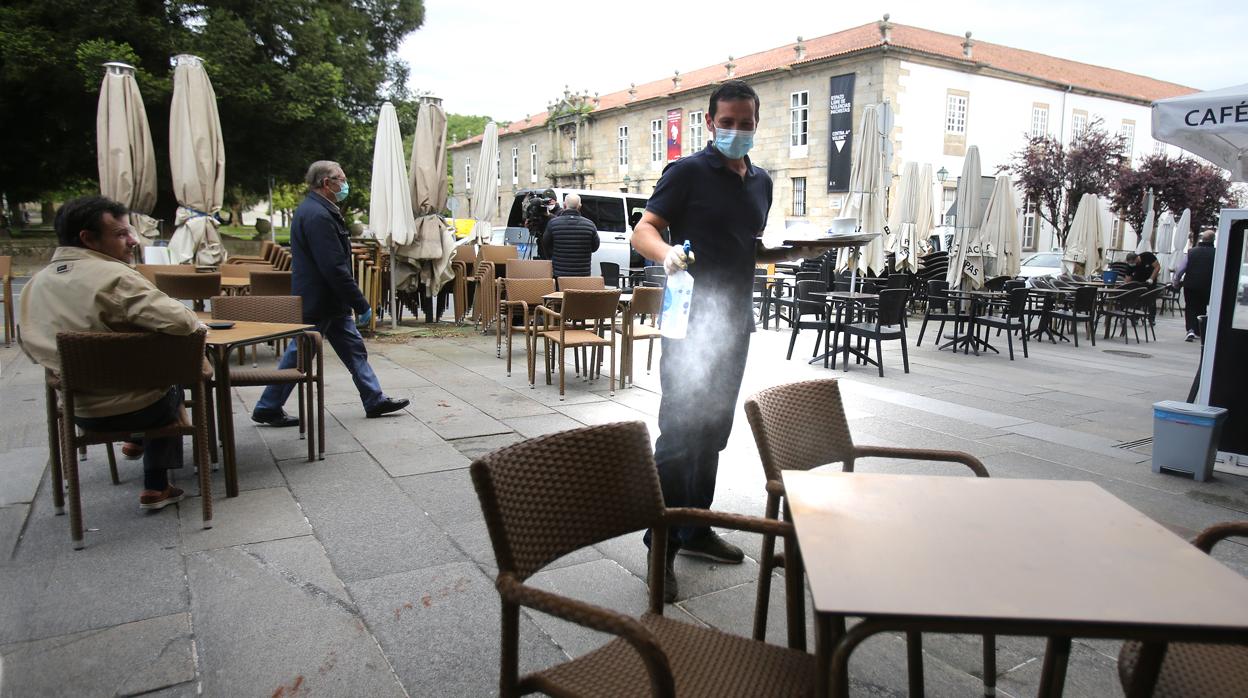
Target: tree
x,y
1056,177
1177,183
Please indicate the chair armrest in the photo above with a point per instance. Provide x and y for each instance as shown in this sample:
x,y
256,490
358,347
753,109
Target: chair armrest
x,y
597,618
1207,538
684,516
555,317
922,454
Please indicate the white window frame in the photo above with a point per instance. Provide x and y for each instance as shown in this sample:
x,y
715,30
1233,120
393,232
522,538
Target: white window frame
x,y
621,141
799,124
948,196
515,165
468,175
1128,137
1078,124
576,153
657,144
1159,148
533,163
799,197
1029,231
956,108
1039,120
697,131
498,169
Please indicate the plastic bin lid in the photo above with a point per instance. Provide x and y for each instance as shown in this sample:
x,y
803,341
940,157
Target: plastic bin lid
x,y
1188,408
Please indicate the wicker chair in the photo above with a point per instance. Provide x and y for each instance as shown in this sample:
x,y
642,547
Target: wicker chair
x,y
104,362
149,271
516,269
801,426
308,373
189,287
524,296
266,255
581,283
1189,669
550,496
270,283
596,311
530,269
6,289
647,302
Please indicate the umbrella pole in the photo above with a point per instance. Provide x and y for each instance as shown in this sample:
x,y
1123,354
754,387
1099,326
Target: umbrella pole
x,y
853,270
394,298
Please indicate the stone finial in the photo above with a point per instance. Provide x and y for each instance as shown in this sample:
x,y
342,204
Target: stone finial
x,y
632,91
597,100
800,48
886,30
676,80
731,67
967,45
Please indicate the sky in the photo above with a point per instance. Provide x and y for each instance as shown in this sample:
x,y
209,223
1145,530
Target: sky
x,y
506,59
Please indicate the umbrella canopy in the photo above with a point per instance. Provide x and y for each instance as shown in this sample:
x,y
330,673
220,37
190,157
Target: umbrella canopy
x,y
911,221
485,196
1145,233
867,191
124,152
1182,239
1003,246
197,163
1083,244
1213,125
428,258
1165,233
390,200
965,252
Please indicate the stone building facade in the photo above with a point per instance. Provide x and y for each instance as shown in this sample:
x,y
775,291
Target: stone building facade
x,y
946,92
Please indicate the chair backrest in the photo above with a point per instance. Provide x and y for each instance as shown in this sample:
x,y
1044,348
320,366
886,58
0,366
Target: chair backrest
x,y
937,296
647,300
1017,306
1015,283
499,253
610,273
529,269
237,271
281,260
898,280
892,308
270,283
528,290
870,285
1131,298
546,497
190,287
656,273
581,283
258,308
996,283
589,304
808,276
840,286
799,426
1085,300
6,267
1150,296
104,362
266,250
149,271
760,279
465,253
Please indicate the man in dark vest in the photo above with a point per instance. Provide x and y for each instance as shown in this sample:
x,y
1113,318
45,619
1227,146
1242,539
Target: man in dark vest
x,y
1195,277
571,238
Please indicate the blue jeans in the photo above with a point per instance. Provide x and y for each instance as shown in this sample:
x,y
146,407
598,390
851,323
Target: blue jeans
x,y
159,455
349,345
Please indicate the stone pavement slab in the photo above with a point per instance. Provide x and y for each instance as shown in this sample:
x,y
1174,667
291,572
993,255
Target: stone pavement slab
x,y
20,471
253,516
12,519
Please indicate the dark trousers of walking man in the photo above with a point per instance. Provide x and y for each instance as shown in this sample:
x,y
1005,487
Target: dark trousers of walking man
x,y
1195,304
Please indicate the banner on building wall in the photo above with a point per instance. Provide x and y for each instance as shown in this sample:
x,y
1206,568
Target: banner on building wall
x,y
840,131
673,134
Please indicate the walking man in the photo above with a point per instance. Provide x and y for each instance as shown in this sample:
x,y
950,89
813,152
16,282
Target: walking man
x,y
320,250
1195,277
571,239
718,201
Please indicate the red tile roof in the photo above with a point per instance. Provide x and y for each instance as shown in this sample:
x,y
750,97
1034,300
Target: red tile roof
x,y
1083,76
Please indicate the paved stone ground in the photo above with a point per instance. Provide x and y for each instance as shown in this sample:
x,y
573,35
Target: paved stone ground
x,y
369,573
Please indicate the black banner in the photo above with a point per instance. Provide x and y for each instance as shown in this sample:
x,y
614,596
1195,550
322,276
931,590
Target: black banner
x,y
840,131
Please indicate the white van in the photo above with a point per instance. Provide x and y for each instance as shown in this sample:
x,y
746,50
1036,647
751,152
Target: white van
x,y
614,214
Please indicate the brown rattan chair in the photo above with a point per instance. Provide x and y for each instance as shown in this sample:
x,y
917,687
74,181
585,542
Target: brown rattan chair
x,y
308,373
149,270
519,312
6,296
547,497
516,269
529,269
189,287
265,257
581,283
594,311
464,266
1192,669
646,302
104,362
270,283
801,426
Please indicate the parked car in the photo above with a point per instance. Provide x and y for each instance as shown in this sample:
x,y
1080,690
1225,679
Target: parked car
x,y
612,212
1041,264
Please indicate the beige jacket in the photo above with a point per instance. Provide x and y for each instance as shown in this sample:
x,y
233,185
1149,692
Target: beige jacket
x,y
83,290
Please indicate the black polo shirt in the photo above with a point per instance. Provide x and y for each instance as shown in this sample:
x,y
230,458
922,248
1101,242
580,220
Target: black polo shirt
x,y
1143,269
721,214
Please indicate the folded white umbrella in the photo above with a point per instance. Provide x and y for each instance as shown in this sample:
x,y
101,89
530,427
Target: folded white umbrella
x,y
867,192
911,222
197,163
1182,239
124,153
390,218
1083,253
1002,243
965,253
1165,241
427,259
485,196
1213,125
1145,233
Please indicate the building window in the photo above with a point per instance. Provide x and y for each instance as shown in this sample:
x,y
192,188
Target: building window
x,y
623,148
1039,120
515,166
1115,234
1029,227
799,117
955,114
948,196
799,197
1159,148
575,152
1128,138
468,176
533,163
656,141
1078,124
696,131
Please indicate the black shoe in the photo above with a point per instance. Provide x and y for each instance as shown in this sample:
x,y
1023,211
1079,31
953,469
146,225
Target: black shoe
x,y
710,546
387,406
275,419
670,587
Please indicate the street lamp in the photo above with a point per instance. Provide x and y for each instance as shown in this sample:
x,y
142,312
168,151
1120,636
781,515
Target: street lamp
x,y
942,174
627,180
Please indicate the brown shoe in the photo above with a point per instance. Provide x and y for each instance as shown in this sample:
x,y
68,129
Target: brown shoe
x,y
151,499
131,451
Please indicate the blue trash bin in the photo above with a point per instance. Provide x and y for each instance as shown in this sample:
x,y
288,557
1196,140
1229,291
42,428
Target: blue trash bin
x,y
1185,437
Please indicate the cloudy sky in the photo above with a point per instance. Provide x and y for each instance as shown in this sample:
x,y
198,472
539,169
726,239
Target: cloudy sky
x,y
505,58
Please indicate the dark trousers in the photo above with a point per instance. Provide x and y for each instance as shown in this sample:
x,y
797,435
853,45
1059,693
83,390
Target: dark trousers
x,y
701,378
1195,304
159,455
343,336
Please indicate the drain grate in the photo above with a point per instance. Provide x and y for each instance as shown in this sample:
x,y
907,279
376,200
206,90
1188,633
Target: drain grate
x,y
1131,354
1135,444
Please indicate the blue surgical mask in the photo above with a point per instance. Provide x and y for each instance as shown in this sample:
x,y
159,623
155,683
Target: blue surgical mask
x,y
341,194
733,144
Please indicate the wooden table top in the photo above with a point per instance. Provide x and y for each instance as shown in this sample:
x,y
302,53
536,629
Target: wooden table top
x,y
996,548
245,331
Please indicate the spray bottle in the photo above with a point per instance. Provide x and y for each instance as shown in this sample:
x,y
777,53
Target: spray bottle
x,y
677,295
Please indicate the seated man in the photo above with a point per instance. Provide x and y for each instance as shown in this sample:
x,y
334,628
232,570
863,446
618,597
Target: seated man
x,y
90,286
